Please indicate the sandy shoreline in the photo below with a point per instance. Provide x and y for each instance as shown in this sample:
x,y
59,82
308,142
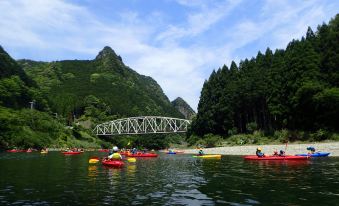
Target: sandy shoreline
x,y
292,149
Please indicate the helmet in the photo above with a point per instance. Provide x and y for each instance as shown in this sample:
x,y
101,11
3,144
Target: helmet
x,y
115,149
259,148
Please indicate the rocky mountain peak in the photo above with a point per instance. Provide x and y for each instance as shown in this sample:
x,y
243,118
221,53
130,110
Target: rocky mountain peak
x,y
107,53
181,105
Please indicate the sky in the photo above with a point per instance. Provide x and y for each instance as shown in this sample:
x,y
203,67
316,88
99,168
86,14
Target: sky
x,y
176,42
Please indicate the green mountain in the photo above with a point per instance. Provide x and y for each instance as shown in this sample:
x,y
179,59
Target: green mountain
x,y
294,89
70,96
184,108
103,88
16,88
23,127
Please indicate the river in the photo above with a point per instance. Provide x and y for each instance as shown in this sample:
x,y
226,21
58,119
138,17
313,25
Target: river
x,y
55,179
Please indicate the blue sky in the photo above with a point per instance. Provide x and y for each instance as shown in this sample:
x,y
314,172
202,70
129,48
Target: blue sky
x,y
177,42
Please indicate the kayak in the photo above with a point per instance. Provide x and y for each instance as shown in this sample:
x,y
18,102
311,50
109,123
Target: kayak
x,y
44,152
71,153
142,155
207,156
93,161
317,154
15,150
103,150
113,163
287,157
171,153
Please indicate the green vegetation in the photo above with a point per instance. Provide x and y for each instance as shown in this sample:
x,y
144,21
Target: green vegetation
x,y
70,97
290,94
120,90
31,128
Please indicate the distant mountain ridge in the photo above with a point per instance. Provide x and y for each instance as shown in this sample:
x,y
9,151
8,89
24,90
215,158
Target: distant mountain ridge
x,y
74,85
184,108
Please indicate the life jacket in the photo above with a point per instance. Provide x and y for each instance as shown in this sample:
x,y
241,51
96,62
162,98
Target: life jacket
x,y
115,156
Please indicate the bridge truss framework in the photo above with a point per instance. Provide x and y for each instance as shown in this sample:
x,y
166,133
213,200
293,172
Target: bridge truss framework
x,y
142,125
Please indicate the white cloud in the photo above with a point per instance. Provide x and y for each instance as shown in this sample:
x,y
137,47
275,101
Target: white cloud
x,y
198,22
277,24
153,44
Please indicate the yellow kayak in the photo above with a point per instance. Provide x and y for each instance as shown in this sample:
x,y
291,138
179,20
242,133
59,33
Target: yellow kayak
x,y
208,156
93,161
43,152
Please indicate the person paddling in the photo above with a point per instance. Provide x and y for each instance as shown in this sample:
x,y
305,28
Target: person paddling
x,y
201,152
134,150
259,153
115,155
311,149
282,153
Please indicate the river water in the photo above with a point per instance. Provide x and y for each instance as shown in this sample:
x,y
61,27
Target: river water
x,y
55,179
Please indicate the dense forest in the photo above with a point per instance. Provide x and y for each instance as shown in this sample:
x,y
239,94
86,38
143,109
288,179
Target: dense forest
x,y
292,89
101,87
57,104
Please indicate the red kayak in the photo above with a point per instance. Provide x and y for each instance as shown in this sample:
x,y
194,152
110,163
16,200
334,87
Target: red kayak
x,y
142,155
113,163
71,153
15,150
103,150
287,157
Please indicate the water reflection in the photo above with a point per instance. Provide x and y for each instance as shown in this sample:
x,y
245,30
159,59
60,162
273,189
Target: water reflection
x,y
167,180
92,171
131,169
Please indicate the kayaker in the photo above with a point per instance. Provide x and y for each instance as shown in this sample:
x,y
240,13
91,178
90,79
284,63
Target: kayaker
x,y
201,153
311,149
282,153
134,150
259,153
115,155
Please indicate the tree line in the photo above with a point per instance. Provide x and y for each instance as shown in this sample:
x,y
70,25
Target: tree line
x,y
296,88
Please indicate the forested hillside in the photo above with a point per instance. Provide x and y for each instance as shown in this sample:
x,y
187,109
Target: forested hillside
x,y
296,88
103,88
56,104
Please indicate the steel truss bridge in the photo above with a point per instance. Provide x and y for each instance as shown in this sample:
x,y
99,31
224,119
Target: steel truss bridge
x,y
142,125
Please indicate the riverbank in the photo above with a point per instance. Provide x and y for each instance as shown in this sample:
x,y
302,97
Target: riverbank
x,y
332,147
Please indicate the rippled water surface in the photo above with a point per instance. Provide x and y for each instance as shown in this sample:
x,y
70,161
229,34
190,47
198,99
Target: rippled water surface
x,y
55,179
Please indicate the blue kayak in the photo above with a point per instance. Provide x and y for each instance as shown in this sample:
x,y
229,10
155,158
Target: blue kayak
x,y
171,152
316,154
